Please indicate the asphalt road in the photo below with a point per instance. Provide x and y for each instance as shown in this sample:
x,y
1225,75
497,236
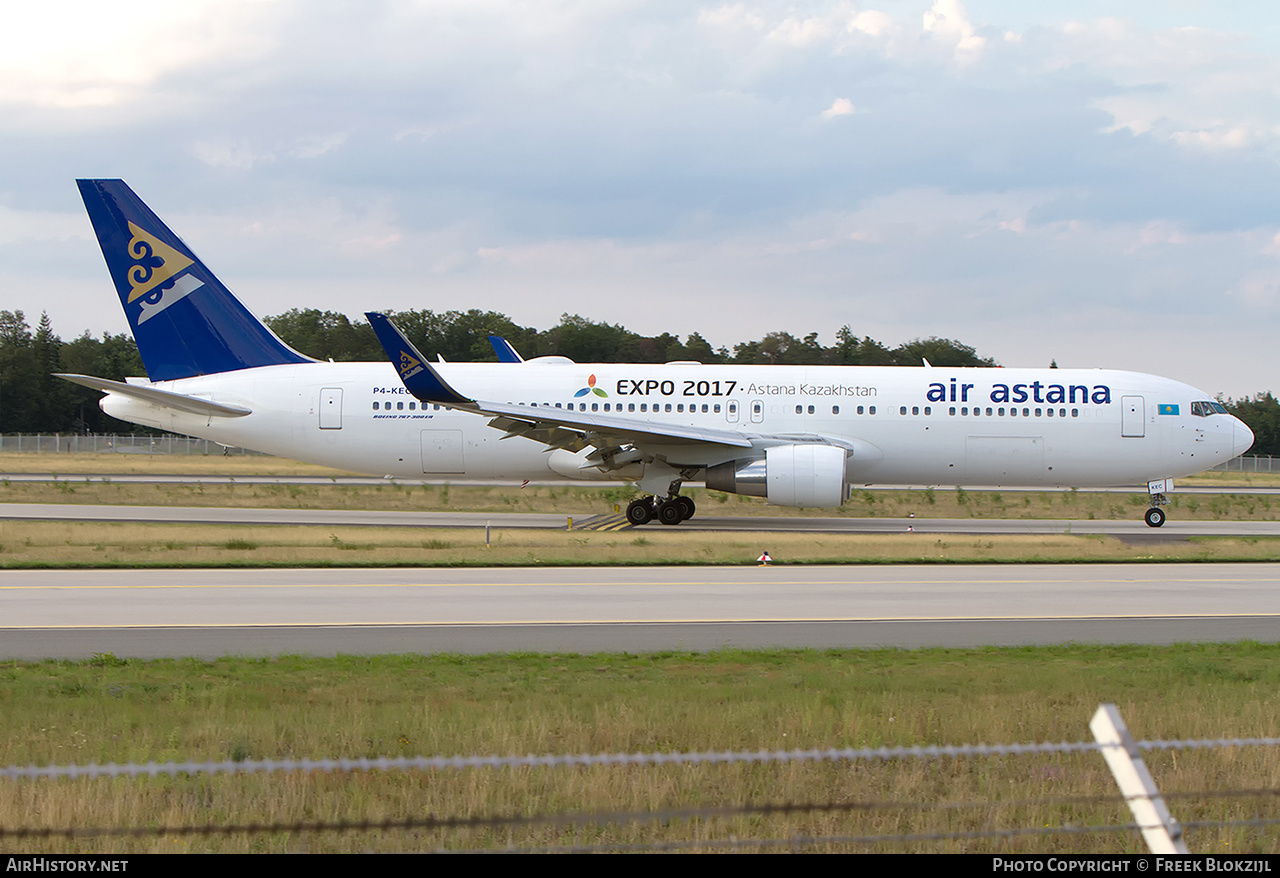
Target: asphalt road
x,y
154,613
1130,530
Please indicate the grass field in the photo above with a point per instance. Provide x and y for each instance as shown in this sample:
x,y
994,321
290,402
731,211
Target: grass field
x,y
107,709
111,710
27,544
579,500
52,544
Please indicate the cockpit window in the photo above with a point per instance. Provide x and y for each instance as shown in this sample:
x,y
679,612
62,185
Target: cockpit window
x,y
1204,408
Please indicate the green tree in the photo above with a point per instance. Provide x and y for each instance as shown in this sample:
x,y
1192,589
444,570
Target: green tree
x,y
1262,414
939,352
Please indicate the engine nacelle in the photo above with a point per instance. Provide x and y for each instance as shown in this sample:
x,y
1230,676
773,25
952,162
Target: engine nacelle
x,y
789,475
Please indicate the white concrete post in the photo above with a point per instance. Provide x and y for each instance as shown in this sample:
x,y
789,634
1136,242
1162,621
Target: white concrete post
x,y
1161,832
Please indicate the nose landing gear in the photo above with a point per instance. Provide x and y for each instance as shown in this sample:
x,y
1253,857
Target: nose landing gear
x,y
1154,516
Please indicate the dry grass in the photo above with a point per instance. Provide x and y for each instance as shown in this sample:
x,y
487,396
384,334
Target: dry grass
x,y
578,500
91,544
110,710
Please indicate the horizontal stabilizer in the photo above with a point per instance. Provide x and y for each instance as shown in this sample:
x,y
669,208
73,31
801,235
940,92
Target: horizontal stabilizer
x,y
163,398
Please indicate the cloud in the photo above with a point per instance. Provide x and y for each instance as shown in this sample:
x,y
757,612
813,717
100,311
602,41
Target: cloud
x,y
948,22
1011,174
839,107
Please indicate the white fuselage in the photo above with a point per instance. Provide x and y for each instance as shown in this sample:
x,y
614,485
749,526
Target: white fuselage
x,y
942,426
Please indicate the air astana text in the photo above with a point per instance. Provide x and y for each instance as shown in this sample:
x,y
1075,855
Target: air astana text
x,y
1036,391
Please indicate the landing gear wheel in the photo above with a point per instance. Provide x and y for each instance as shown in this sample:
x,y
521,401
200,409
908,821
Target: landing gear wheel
x,y
640,511
687,507
670,512
1154,516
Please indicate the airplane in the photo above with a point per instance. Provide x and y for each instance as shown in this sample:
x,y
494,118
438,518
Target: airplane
x,y
792,435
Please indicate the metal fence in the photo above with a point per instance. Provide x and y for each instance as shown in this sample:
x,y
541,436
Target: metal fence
x,y
114,443
1258,463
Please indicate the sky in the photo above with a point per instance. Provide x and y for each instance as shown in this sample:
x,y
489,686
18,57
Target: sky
x,y
1092,183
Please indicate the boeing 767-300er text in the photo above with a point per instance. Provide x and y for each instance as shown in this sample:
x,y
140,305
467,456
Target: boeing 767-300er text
x,y
794,435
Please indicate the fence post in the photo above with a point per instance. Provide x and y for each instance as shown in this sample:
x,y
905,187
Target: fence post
x,y
1161,832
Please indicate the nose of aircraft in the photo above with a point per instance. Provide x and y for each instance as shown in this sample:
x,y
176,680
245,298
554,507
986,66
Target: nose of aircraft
x,y
1243,440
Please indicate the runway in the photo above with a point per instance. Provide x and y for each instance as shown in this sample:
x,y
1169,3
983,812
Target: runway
x,y
203,613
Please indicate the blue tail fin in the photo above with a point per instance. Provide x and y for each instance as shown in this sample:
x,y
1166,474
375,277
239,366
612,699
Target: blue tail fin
x,y
185,321
503,348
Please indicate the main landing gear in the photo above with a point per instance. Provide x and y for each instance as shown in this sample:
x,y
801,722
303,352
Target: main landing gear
x,y
672,510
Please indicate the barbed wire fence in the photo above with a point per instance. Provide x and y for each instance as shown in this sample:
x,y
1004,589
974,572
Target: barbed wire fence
x,y
1136,790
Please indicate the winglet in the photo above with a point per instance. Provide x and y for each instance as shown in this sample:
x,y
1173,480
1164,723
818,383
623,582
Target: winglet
x,y
417,373
503,348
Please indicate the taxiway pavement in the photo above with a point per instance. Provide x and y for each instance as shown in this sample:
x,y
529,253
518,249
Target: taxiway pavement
x,y
207,613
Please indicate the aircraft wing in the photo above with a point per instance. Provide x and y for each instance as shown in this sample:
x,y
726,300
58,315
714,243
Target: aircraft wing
x,y
164,398
554,427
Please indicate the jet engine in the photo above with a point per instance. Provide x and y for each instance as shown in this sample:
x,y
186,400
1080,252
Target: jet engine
x,y
788,475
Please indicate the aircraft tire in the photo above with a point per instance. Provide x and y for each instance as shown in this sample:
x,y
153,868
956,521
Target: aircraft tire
x,y
640,511
1154,516
686,507
670,512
